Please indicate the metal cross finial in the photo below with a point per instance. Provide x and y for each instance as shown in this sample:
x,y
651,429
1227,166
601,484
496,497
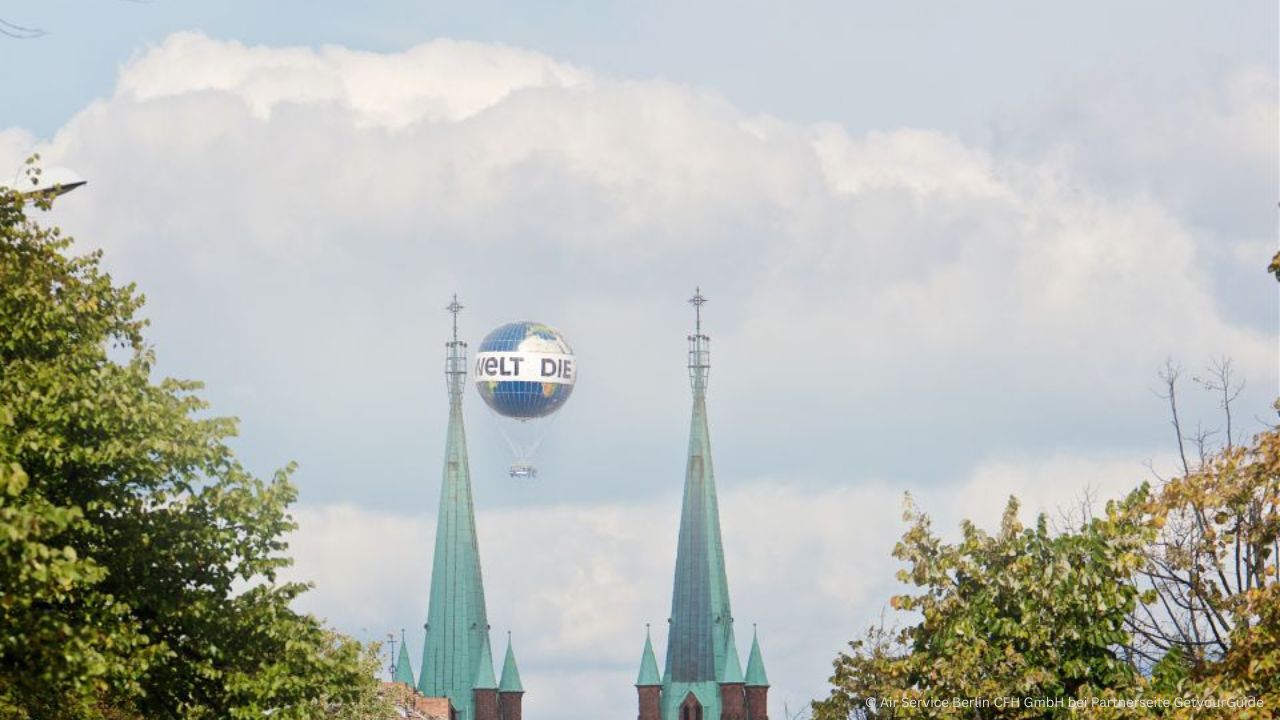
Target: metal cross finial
x,y
697,301
455,307
391,651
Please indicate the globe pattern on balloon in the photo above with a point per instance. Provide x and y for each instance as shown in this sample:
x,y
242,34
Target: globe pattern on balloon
x,y
524,399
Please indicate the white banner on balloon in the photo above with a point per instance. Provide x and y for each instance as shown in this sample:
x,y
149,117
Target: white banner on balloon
x,y
518,366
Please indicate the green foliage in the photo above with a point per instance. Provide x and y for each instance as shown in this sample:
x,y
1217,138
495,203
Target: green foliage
x,y
1167,606
1023,613
138,558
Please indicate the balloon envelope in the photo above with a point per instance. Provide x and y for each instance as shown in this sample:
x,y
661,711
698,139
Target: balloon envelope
x,y
525,370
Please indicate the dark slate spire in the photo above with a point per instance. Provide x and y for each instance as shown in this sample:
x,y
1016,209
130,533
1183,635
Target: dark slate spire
x,y
756,676
648,664
457,624
510,671
700,615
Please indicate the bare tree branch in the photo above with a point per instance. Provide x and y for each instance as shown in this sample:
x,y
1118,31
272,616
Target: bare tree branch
x,y
1170,377
19,32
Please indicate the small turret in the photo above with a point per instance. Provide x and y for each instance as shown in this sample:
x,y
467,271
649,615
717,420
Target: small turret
x,y
733,698
648,682
485,692
510,689
757,682
404,670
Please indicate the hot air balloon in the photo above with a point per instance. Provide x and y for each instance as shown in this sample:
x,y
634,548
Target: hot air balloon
x,y
524,372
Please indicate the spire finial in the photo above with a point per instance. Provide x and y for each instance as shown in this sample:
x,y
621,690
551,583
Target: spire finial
x,y
455,307
455,370
697,301
699,345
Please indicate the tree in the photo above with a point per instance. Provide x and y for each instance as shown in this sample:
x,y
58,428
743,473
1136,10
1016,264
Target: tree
x,y
138,558
1024,613
1213,626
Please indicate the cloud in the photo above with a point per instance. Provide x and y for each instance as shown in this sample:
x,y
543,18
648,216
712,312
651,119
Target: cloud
x,y
297,217
1201,143
444,80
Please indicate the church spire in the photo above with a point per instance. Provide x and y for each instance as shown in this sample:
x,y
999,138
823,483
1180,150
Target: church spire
x,y
756,676
457,623
701,619
757,684
404,670
510,671
648,676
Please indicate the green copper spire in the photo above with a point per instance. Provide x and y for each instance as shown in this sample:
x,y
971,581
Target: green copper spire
x,y
404,670
648,664
457,624
732,665
701,619
510,671
756,676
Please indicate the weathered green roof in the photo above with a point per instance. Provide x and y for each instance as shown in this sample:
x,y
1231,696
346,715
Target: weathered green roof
x,y
756,676
648,664
732,665
484,670
457,623
510,672
404,670
700,613
701,618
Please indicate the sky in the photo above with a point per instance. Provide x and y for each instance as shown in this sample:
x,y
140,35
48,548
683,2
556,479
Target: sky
x,y
947,251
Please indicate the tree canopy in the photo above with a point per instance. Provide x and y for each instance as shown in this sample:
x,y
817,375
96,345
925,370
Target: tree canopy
x,y
139,559
1134,614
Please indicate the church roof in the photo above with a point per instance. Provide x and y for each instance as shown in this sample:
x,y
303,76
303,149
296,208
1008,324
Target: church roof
x,y
510,672
756,676
404,670
648,664
457,623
